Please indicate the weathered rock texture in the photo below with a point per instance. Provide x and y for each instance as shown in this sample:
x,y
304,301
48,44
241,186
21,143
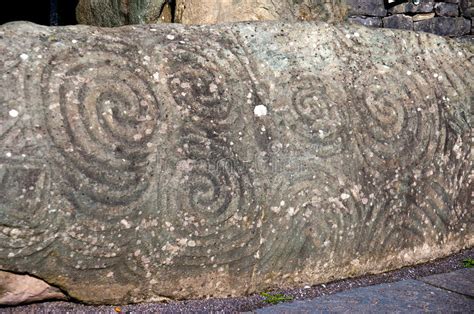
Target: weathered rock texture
x,y
168,161
109,13
219,11
17,289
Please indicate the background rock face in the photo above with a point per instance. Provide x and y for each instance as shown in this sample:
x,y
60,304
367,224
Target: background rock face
x,y
109,13
167,161
447,18
219,11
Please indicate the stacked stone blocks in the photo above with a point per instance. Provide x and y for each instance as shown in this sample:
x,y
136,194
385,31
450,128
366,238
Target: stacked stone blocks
x,y
447,18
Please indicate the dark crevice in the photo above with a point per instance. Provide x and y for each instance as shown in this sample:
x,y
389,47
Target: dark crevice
x,y
43,12
172,4
169,4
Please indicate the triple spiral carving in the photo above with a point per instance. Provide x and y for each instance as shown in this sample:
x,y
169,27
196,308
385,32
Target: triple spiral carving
x,y
102,115
211,202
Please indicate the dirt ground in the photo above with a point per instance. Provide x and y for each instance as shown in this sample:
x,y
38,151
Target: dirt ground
x,y
254,301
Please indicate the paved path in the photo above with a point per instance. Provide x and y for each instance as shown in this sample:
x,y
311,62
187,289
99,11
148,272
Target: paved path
x,y
442,293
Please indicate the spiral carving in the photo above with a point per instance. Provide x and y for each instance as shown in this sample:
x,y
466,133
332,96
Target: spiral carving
x,y
397,124
211,211
102,116
314,114
29,225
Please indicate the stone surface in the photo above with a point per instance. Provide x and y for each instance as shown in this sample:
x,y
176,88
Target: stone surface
x,y
17,289
109,13
446,9
367,21
461,281
366,7
164,161
399,21
423,16
401,297
219,11
445,26
425,6
467,8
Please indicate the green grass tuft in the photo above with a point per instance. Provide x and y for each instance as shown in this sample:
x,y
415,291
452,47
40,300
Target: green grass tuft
x,y
468,262
275,298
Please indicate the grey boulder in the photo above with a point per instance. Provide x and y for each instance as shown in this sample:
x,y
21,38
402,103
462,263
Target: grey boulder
x,y
161,161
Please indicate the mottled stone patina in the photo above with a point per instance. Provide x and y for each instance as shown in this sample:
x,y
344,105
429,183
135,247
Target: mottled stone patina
x,y
164,161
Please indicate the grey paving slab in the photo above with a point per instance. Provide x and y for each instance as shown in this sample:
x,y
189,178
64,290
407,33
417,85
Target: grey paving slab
x,y
406,296
460,281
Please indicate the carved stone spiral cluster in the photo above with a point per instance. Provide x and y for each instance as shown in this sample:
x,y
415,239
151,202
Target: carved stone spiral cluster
x,y
101,113
197,160
210,198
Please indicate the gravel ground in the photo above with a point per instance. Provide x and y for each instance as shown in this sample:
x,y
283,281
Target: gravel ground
x,y
254,301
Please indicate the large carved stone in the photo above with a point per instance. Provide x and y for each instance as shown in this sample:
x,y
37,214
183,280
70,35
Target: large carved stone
x,y
147,162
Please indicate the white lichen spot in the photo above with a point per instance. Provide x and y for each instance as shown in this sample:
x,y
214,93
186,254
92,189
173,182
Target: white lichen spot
x,y
408,72
156,76
24,56
170,37
74,41
13,113
345,196
191,243
260,110
212,88
8,154
110,274
282,203
291,211
125,223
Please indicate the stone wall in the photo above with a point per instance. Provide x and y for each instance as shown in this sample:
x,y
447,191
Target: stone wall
x,y
447,18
